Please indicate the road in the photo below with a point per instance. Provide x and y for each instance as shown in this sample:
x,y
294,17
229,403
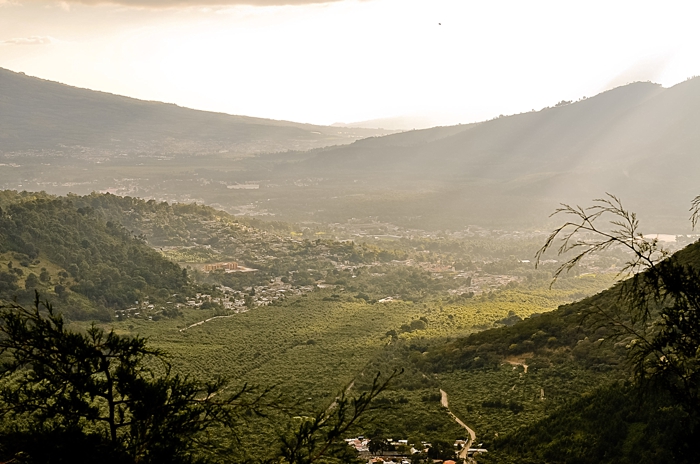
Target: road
x,y
335,401
472,434
206,320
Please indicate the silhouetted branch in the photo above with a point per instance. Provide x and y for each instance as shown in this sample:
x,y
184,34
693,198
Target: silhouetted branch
x,y
585,236
319,436
695,211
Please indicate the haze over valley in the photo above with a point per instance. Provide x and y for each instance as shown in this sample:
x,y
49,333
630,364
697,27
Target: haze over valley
x,y
637,141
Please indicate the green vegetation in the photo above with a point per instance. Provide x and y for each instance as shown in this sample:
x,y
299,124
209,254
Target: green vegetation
x,y
70,255
310,346
610,424
70,396
653,316
320,315
99,393
317,308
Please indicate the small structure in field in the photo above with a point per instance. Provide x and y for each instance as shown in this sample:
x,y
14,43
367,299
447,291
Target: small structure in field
x,y
232,266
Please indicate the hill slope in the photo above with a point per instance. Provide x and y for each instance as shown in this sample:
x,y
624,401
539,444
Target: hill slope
x,y
39,114
85,264
638,141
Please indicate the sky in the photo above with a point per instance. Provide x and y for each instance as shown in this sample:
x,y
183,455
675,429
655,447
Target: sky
x,y
430,62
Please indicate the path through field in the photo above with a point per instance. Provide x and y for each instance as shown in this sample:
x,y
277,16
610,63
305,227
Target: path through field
x,y
206,320
472,434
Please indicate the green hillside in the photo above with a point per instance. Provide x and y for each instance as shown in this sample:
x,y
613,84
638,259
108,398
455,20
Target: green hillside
x,y
86,264
588,409
609,424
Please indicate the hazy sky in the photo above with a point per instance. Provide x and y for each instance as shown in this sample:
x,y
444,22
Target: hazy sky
x,y
350,60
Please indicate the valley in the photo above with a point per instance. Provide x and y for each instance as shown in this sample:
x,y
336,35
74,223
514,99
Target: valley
x,y
316,313
306,264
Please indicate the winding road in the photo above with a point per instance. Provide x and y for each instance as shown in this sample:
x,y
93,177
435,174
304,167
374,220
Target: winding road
x,y
472,434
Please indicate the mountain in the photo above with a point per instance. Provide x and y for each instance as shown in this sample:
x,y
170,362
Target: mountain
x,y
39,114
639,141
392,123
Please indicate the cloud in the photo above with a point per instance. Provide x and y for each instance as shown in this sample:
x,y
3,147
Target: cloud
x,y
162,4
33,40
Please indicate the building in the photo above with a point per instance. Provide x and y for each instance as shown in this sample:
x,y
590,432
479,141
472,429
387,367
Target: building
x,y
232,266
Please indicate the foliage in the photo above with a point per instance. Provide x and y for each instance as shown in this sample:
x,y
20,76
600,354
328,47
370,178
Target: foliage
x,y
658,311
653,317
320,436
312,344
97,259
608,425
107,391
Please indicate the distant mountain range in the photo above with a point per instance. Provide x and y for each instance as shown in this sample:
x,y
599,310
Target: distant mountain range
x,y
40,114
640,142
399,123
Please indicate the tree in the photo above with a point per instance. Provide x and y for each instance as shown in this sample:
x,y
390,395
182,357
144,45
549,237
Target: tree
x,y
657,312
249,301
378,445
81,397
31,282
44,276
319,438
440,449
111,393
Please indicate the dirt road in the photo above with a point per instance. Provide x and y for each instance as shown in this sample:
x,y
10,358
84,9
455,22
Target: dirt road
x,y
472,434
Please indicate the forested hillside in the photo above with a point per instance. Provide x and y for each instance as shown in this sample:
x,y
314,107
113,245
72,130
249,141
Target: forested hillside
x,y
67,253
617,407
119,253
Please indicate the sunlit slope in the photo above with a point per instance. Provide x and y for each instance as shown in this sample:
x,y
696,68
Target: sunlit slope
x,y
40,114
639,141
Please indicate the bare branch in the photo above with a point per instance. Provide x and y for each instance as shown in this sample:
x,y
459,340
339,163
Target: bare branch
x,y
583,235
695,211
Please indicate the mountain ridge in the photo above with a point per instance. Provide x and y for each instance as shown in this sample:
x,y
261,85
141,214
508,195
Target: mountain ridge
x,y
637,141
38,113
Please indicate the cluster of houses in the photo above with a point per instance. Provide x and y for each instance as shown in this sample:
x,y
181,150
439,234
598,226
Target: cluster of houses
x,y
231,300
401,450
